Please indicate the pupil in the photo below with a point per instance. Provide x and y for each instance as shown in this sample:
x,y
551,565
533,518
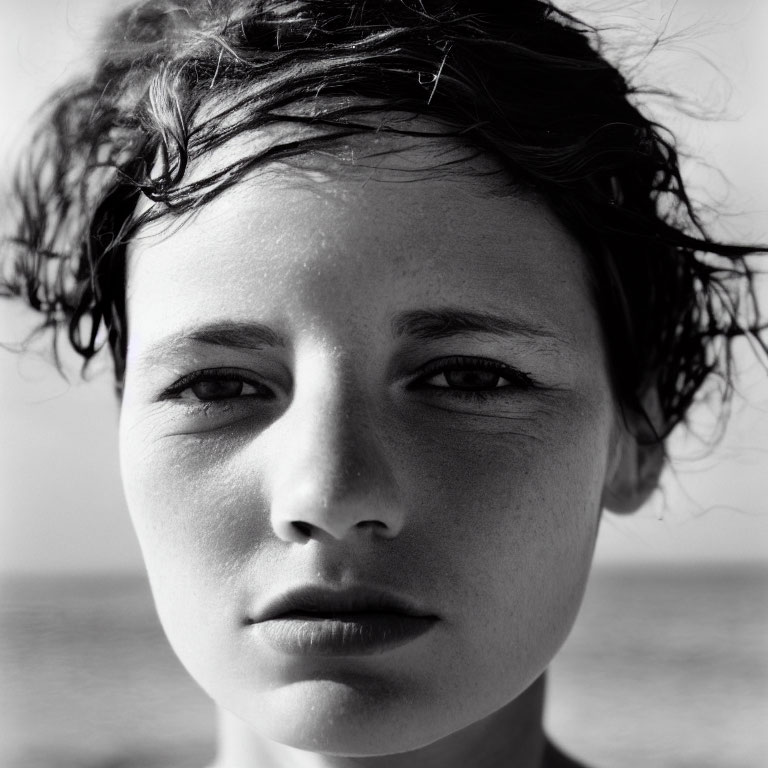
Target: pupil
x,y
472,379
217,389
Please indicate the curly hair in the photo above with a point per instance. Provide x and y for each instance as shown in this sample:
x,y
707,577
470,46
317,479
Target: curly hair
x,y
520,80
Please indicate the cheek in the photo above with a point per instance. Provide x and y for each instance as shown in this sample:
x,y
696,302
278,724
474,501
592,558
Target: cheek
x,y
533,481
199,531
195,509
513,517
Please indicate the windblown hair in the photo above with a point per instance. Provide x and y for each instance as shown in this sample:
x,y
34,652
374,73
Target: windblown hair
x,y
519,80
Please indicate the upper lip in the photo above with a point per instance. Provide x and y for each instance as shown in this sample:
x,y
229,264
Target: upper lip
x,y
329,601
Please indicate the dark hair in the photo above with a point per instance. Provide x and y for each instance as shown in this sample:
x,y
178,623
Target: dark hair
x,y
520,80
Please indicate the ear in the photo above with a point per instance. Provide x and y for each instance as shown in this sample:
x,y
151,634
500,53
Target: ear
x,y
634,467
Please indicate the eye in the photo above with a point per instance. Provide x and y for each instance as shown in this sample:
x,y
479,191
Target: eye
x,y
471,375
221,389
214,386
468,379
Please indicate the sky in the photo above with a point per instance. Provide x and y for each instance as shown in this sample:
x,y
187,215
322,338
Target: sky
x,y
61,507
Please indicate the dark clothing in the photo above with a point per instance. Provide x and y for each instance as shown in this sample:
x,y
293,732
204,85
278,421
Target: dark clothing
x,y
554,758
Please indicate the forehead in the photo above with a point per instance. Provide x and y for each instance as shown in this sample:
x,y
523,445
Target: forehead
x,y
379,225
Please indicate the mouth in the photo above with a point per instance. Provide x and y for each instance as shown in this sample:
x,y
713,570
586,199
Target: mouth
x,y
317,621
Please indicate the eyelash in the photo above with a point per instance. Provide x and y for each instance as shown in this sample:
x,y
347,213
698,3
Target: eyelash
x,y
519,380
215,374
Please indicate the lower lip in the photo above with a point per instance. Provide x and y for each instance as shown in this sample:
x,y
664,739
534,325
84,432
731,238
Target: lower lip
x,y
352,634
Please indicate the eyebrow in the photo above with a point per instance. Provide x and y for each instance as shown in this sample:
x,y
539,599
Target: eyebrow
x,y
431,325
235,335
239,335
422,324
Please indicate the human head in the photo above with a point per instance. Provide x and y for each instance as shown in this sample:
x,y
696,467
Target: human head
x,y
342,460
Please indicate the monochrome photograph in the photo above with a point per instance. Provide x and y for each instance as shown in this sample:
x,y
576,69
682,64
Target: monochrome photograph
x,y
384,384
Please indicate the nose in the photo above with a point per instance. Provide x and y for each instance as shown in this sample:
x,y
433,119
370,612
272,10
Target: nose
x,y
331,477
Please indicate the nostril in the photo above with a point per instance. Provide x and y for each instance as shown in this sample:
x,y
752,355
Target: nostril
x,y
375,524
304,529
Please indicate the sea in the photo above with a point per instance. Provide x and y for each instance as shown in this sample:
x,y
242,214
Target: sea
x,y
666,667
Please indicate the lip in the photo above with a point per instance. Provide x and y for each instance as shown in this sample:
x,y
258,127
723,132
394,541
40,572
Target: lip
x,y
320,621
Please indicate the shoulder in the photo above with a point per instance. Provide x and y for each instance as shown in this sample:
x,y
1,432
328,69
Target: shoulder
x,y
554,758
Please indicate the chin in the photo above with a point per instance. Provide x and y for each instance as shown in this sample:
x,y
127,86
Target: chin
x,y
353,717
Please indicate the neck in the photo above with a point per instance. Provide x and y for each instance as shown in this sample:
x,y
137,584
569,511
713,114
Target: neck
x,y
511,737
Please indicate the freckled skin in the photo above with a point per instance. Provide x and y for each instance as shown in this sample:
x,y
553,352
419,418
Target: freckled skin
x,y
486,511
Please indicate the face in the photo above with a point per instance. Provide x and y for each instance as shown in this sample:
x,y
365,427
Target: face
x,y
365,435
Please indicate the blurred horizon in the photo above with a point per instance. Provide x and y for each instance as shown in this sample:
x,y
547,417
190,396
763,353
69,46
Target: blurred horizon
x,y
61,504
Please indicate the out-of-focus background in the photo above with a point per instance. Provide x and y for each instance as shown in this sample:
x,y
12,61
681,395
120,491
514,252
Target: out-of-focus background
x,y
668,662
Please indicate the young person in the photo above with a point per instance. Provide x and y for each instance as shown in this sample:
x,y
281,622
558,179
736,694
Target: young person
x,y
400,296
